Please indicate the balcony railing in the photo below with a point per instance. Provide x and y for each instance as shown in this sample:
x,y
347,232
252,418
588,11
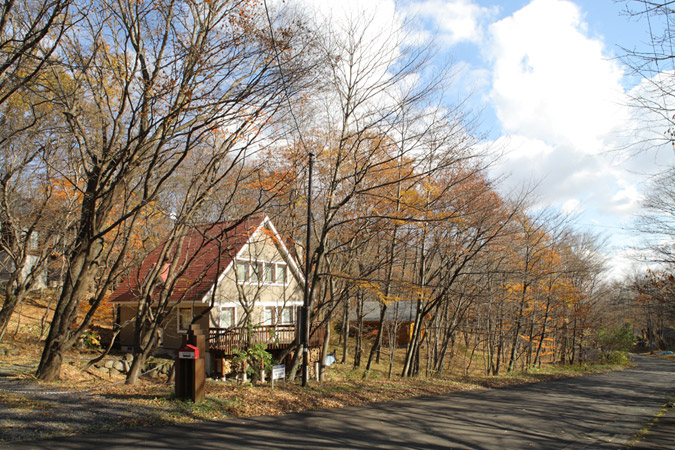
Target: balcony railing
x,y
226,340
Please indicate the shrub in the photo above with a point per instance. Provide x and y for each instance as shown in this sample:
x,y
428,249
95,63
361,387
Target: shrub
x,y
255,358
616,357
90,340
616,338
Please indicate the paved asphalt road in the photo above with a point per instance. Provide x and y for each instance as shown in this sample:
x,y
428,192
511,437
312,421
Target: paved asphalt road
x,y
592,412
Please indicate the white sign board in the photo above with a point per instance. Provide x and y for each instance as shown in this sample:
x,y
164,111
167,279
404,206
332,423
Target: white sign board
x,y
279,372
186,355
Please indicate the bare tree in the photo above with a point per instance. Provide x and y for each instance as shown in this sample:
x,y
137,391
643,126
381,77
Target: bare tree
x,y
147,85
655,99
463,224
380,119
654,307
34,216
30,32
658,222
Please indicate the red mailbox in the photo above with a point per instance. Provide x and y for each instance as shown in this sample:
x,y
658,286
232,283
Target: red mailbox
x,y
188,352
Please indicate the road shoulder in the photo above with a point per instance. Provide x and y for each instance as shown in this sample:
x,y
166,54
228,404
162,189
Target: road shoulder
x,y
661,433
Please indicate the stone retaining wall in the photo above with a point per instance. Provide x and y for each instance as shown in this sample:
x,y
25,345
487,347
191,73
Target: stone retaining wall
x,y
122,365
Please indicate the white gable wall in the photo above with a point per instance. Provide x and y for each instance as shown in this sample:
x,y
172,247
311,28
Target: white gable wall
x,y
232,292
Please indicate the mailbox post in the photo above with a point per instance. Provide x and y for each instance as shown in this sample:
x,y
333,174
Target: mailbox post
x,y
190,375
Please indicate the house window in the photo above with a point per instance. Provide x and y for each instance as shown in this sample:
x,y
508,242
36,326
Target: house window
x,y
256,272
33,241
261,272
226,317
269,316
285,316
184,318
281,273
268,272
242,271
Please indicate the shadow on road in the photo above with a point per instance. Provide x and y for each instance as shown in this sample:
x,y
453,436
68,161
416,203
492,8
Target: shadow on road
x,y
596,411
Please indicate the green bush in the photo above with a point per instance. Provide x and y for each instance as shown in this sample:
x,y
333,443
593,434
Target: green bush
x,y
255,358
616,338
90,340
616,357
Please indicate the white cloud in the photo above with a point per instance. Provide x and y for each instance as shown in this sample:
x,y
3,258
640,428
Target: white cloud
x,y
574,181
560,101
570,207
566,126
551,81
627,199
521,148
623,263
456,20
375,24
338,9
644,144
368,42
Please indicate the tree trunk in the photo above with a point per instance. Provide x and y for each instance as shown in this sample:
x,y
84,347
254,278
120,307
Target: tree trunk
x,y
6,312
543,331
413,343
573,345
519,318
563,346
375,349
15,292
378,339
451,357
326,341
76,285
476,343
345,332
16,288
358,344
142,351
394,326
295,362
448,336
530,346
500,343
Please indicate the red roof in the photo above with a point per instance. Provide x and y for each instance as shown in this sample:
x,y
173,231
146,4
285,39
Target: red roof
x,y
206,252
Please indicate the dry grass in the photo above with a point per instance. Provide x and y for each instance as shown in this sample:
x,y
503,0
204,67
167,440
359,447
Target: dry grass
x,y
666,357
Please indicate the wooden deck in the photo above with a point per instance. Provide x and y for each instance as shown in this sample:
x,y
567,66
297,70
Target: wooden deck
x,y
224,341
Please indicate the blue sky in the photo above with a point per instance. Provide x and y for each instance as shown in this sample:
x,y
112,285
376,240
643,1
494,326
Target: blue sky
x,y
554,94
547,80
600,21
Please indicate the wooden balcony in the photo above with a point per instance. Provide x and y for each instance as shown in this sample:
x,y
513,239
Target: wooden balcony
x,y
224,341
